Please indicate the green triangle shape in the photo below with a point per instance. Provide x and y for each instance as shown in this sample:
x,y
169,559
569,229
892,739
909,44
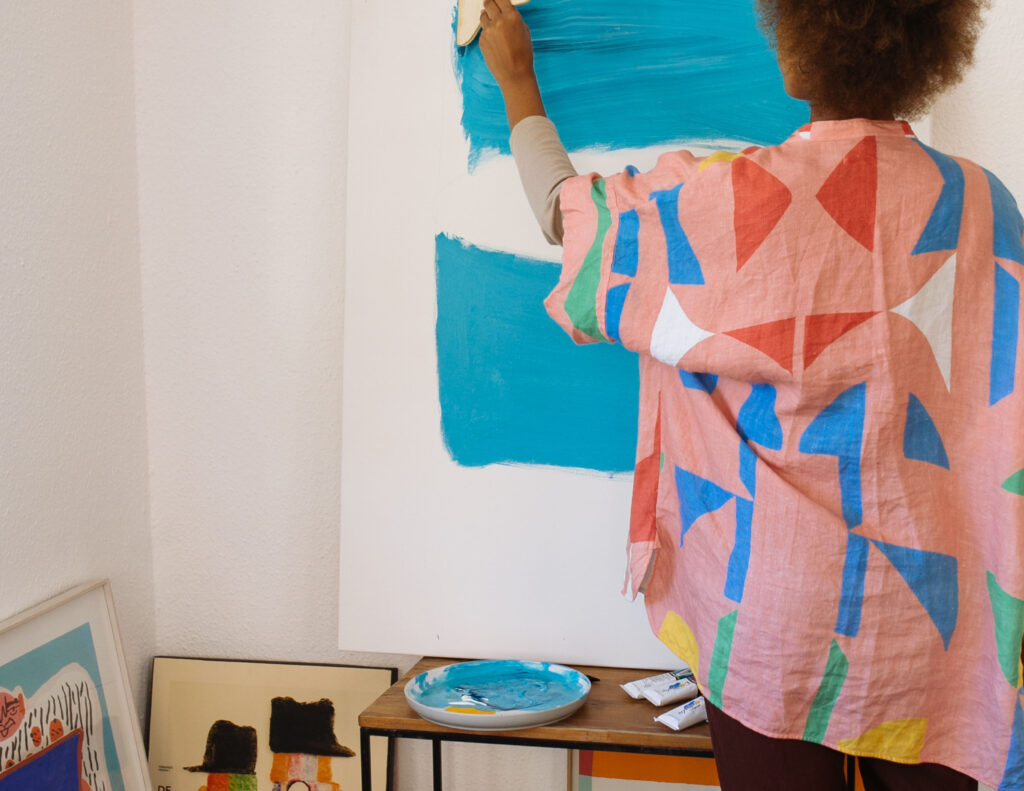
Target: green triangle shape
x,y
1015,483
1008,613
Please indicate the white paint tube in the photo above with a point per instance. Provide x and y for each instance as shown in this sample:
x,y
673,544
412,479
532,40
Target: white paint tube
x,y
635,689
690,713
682,689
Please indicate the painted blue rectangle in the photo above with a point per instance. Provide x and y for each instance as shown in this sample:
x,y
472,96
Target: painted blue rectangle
x,y
618,74
513,386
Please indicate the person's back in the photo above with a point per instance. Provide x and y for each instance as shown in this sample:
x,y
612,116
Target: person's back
x,y
828,510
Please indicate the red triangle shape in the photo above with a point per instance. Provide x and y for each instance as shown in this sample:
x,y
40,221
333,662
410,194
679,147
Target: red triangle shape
x,y
775,339
822,331
760,200
849,193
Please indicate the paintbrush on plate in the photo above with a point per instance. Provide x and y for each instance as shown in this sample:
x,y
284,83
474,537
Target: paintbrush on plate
x,y
467,23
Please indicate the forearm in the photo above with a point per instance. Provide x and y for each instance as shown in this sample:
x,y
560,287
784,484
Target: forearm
x,y
543,165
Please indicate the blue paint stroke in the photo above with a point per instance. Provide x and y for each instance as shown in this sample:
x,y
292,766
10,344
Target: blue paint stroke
x,y
1008,225
1005,320
943,229
631,74
748,467
502,685
851,599
739,559
932,577
683,266
839,431
921,440
513,386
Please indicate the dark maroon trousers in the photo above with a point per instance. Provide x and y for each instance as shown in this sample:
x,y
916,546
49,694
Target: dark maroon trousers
x,y
749,761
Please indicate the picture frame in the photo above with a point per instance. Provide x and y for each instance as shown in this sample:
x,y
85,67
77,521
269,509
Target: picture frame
x,y
67,716
253,725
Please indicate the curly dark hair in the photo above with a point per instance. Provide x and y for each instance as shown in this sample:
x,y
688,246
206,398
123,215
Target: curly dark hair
x,y
879,56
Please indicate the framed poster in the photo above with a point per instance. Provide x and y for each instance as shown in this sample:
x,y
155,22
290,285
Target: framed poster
x,y
67,721
261,726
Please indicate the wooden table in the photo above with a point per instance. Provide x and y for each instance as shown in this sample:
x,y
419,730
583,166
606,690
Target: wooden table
x,y
609,720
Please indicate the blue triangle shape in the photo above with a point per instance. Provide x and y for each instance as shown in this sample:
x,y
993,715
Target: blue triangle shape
x,y
943,229
683,266
1008,228
921,440
697,496
1013,772
932,577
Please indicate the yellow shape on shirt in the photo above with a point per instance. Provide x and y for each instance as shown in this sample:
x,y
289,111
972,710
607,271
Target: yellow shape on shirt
x,y
719,156
898,740
678,636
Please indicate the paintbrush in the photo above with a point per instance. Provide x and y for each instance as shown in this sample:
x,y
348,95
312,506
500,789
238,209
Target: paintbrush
x,y
467,23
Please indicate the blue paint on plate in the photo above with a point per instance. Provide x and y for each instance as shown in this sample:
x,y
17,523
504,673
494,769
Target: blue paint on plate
x,y
501,685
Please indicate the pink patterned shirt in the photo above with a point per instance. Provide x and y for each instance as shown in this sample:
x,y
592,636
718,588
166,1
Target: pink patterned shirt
x,y
828,507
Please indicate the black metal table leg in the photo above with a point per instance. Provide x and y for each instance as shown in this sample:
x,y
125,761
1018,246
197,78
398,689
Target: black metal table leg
x,y
364,758
437,764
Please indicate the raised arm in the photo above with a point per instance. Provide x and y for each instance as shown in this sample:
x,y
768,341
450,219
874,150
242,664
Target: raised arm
x,y
540,156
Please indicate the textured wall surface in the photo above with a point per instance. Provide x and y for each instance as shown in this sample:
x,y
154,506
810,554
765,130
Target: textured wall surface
x,y
73,492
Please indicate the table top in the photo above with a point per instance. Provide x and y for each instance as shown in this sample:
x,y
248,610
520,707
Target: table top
x,y
609,718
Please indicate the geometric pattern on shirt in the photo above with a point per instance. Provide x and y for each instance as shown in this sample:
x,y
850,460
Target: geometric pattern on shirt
x,y
718,667
674,333
1008,620
832,680
759,201
581,300
850,192
931,311
932,577
1005,331
625,261
699,496
683,266
774,338
943,229
1013,772
823,330
1015,483
921,440
1008,224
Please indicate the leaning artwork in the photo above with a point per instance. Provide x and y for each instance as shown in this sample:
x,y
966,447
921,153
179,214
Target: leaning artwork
x,y
66,717
224,725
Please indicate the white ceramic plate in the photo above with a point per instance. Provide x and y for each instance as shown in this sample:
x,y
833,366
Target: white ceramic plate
x,y
497,695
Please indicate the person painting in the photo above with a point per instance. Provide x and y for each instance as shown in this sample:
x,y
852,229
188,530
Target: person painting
x,y
828,503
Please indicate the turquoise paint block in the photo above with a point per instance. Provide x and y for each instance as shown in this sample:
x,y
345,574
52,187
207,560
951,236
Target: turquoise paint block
x,y
513,386
645,72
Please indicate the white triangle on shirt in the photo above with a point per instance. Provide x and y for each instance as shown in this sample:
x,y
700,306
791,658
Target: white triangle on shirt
x,y
674,333
931,311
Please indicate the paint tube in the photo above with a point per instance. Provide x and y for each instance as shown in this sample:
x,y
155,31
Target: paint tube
x,y
690,713
675,692
635,689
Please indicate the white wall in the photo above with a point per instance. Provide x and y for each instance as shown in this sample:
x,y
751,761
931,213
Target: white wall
x,y
73,493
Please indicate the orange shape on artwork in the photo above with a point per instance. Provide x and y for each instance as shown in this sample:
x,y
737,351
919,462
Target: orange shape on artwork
x,y
849,194
822,331
760,201
775,338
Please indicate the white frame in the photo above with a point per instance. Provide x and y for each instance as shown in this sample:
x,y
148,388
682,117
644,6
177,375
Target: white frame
x,y
91,603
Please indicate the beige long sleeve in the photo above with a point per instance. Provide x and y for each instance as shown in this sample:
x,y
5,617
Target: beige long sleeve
x,y
543,165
